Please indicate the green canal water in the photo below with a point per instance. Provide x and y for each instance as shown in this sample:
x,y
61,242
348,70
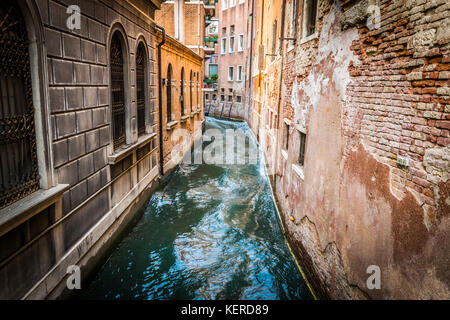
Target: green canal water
x,y
211,232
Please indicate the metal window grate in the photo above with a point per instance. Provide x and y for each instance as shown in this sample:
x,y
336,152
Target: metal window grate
x,y
301,155
140,88
19,173
117,91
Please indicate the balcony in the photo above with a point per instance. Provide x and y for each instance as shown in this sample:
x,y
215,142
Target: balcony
x,y
210,46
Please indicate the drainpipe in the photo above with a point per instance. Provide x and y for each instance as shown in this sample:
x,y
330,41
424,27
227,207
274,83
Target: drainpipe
x,y
278,143
161,154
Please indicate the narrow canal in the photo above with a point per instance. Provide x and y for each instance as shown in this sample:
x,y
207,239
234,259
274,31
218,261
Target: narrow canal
x,y
211,232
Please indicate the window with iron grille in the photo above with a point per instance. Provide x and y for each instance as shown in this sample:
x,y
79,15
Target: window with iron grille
x,y
19,173
169,93
117,90
140,87
301,154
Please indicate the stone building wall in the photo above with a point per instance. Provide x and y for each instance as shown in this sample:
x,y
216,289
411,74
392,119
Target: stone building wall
x,y
180,57
94,188
373,189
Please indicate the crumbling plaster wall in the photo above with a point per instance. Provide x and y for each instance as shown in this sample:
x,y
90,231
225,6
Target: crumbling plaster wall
x,y
365,97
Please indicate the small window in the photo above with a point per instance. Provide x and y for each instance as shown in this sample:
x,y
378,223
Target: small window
x,y
241,43
230,73
286,142
222,90
214,97
301,154
207,96
232,3
230,90
230,98
241,1
224,4
239,73
232,29
232,44
224,30
309,18
223,48
238,99
222,97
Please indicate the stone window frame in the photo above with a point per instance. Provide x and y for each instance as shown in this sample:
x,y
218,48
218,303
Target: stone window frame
x,y
241,36
49,191
224,5
241,78
231,48
306,38
232,76
129,139
223,47
148,123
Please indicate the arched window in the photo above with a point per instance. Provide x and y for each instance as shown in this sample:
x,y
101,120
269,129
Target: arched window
x,y
19,172
191,83
182,91
169,93
117,90
141,67
198,93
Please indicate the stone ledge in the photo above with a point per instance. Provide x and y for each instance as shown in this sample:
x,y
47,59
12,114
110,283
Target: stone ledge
x,y
116,157
184,118
298,170
24,209
170,125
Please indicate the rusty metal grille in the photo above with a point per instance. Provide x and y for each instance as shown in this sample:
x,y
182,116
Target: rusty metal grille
x,y
19,174
140,88
117,91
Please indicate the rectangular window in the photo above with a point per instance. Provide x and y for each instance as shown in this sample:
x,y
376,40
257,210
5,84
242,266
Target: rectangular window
x,y
230,73
230,98
286,143
224,4
213,69
239,73
309,18
214,97
232,44
223,48
232,29
222,90
241,1
230,90
207,96
232,3
224,30
238,99
241,43
222,97
301,153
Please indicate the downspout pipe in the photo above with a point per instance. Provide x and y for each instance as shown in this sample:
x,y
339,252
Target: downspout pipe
x,y
160,116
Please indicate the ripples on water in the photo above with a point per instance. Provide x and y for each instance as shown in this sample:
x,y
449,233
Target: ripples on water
x,y
210,233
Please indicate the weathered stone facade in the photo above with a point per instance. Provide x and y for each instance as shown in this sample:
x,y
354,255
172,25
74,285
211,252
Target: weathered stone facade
x,y
97,166
372,104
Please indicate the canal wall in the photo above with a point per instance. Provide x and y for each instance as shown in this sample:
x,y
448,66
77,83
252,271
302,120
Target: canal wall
x,y
372,188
